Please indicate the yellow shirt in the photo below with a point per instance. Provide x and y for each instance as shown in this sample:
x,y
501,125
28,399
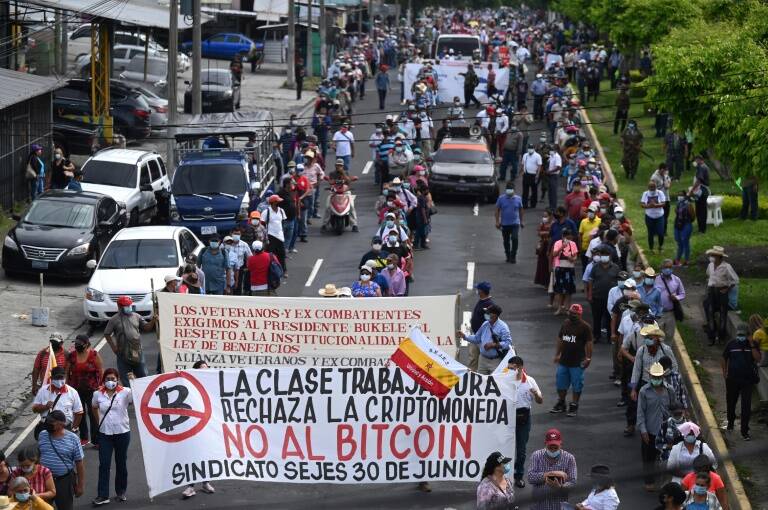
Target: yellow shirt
x,y
34,503
761,337
585,227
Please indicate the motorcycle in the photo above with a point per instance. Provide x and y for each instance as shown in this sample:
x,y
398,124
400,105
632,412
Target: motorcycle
x,y
340,205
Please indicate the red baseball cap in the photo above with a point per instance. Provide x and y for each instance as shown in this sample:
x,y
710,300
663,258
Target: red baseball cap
x,y
576,308
124,301
553,437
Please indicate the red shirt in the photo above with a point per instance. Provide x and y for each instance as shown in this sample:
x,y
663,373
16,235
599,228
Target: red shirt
x,y
574,202
302,184
715,482
37,481
84,376
258,267
41,361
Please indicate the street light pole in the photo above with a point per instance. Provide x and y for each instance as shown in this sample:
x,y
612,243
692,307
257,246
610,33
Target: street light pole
x,y
173,103
290,79
308,60
322,28
197,58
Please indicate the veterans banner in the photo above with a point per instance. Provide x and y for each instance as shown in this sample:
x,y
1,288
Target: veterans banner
x,y
450,83
318,425
241,331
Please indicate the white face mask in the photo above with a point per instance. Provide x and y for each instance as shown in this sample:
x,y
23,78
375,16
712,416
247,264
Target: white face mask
x,y
254,222
530,151
390,266
110,385
712,259
59,383
365,277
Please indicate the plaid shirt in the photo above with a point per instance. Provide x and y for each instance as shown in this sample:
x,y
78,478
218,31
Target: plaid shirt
x,y
239,253
41,361
546,498
674,382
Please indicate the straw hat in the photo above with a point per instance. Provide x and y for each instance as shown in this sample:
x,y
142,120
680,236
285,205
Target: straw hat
x,y
5,502
718,251
650,272
652,330
329,290
656,370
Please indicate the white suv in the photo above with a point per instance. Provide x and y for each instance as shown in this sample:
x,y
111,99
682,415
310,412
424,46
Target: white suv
x,y
133,178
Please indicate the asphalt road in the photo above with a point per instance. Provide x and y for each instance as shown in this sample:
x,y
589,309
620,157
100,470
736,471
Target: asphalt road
x,y
462,233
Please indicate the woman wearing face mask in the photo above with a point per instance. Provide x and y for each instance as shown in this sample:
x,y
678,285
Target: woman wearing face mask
x,y
699,498
24,497
59,166
603,495
5,475
84,374
564,255
365,287
495,490
663,183
671,497
653,201
682,455
684,216
543,272
110,407
702,464
39,478
654,401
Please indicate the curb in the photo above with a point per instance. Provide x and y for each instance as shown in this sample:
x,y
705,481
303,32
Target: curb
x,y
737,495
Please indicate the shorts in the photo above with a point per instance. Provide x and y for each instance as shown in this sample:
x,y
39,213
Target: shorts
x,y
572,377
565,280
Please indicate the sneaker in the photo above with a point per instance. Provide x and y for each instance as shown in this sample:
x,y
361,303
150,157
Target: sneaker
x,y
294,250
208,488
100,501
303,240
84,442
617,383
355,229
573,408
188,492
629,431
424,487
121,498
558,408
519,483
621,403
746,437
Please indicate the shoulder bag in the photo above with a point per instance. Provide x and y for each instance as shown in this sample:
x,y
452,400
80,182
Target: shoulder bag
x,y
677,308
41,424
72,470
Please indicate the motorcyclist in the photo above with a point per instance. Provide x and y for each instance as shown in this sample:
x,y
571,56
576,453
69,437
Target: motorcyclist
x,y
340,178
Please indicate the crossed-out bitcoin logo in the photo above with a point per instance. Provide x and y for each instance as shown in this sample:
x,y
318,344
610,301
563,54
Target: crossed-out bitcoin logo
x,y
171,402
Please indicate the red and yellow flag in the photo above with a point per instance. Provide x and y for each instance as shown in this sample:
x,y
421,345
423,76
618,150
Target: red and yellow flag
x,y
50,366
430,367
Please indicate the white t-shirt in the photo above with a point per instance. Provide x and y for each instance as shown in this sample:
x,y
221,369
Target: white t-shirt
x,y
555,163
69,402
594,243
659,198
531,162
524,397
116,421
604,500
275,222
343,143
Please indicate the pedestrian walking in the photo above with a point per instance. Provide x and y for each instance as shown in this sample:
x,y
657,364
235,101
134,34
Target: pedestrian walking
x,y
741,358
539,91
701,192
509,219
274,220
471,81
721,278
39,478
56,344
484,300
300,73
654,402
672,293
649,294
702,464
84,374
382,85
493,338
61,452
61,397
216,265
749,206
344,145
552,473
684,217
365,286
573,356
554,168
683,453
632,145
35,172
532,167
123,334
109,406
495,490
622,111
602,278
565,252
511,153
527,392
653,201
699,496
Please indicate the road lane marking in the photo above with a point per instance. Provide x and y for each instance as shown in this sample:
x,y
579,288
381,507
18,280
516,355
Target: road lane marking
x,y
475,209
470,274
313,274
101,344
367,167
21,437
465,321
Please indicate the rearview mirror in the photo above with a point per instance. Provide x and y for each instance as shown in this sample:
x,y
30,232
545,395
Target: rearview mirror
x,y
91,264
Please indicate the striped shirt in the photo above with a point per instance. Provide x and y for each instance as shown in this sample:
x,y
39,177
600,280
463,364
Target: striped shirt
x,y
545,497
67,446
37,480
385,147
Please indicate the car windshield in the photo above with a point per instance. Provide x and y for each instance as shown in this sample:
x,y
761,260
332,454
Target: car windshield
x,y
140,253
463,45
109,173
155,66
60,213
215,78
462,156
209,179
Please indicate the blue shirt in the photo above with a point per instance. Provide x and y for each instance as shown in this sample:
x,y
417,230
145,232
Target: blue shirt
x,y
74,185
382,81
652,298
556,230
215,268
68,447
510,209
484,335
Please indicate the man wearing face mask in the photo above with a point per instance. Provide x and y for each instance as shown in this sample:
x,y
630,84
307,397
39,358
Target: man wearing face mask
x,y
494,340
629,317
215,263
672,293
527,392
532,165
509,219
56,342
123,334
478,318
649,294
60,451
632,144
573,356
650,352
239,253
654,402
552,473
653,201
61,397
554,168
721,278
376,254
603,278
739,364
586,225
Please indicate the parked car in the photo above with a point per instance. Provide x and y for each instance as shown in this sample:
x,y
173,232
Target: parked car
x,y
136,179
60,232
76,137
79,42
122,54
156,74
464,166
130,111
219,90
159,105
136,260
224,46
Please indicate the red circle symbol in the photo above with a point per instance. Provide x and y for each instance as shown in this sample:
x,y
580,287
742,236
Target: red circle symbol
x,y
202,416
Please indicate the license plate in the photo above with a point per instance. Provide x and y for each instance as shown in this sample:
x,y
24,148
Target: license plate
x,y
462,188
208,230
39,264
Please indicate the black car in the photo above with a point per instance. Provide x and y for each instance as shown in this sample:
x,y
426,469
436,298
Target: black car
x,y
60,232
219,89
129,109
76,137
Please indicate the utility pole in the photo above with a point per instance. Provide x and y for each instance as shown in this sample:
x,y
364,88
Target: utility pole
x,y
57,43
322,27
64,42
360,21
291,60
308,60
370,21
197,58
173,103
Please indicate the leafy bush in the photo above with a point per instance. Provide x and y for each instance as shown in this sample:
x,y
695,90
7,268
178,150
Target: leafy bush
x,y
635,76
731,208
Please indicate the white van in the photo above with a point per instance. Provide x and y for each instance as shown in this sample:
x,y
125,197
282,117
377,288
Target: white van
x,y
462,44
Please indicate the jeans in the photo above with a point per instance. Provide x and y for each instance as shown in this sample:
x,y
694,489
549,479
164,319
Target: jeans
x,y
529,190
600,317
522,432
88,423
36,186
749,201
655,228
552,191
289,228
649,454
509,159
123,367
315,200
346,160
683,240
420,237
382,98
733,391
306,206
117,443
510,232
569,377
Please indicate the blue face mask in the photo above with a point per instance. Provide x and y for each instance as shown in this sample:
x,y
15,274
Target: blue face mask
x,y
621,285
699,490
22,497
553,455
741,338
507,468
649,281
667,271
214,245
690,439
127,310
649,342
236,237
509,192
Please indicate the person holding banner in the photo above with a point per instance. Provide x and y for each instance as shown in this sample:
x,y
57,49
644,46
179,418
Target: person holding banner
x,y
123,334
40,368
189,491
494,340
495,491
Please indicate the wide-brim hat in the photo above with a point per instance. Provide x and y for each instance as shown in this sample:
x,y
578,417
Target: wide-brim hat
x,y
717,251
652,330
329,290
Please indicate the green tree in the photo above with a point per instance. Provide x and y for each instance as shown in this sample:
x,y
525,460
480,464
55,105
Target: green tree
x,y
643,22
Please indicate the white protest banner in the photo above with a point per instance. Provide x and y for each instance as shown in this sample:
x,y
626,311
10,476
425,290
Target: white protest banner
x,y
450,83
318,425
240,331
